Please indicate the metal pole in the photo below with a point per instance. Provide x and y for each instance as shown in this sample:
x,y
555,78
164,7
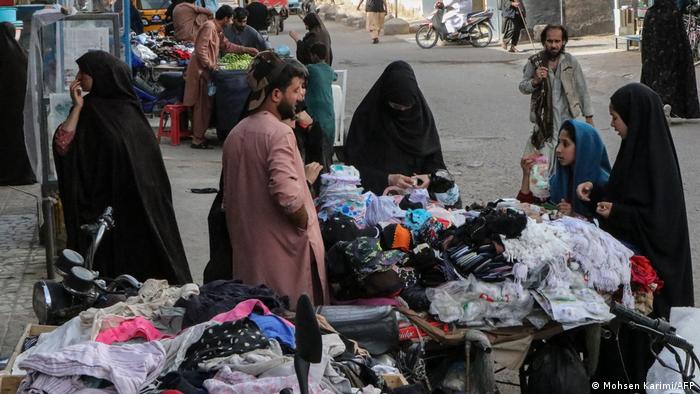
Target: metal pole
x,y
561,12
127,32
396,9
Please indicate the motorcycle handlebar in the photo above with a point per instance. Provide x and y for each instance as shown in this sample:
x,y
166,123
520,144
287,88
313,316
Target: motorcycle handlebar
x,y
629,315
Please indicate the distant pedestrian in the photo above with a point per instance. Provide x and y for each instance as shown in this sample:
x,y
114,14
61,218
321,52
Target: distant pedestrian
x,y
667,61
513,23
376,12
558,92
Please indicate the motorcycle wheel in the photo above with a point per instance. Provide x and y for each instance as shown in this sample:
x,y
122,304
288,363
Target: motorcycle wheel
x,y
481,35
426,37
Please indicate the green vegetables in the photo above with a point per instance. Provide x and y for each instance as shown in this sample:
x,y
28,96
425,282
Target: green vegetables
x,y
233,61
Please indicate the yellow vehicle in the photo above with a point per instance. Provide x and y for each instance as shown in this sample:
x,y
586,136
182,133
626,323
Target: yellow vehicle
x,y
152,13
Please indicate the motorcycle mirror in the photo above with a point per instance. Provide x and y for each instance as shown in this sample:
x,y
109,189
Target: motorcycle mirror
x,y
68,259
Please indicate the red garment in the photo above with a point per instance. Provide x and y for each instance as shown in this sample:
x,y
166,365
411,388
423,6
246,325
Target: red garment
x,y
528,198
62,140
644,274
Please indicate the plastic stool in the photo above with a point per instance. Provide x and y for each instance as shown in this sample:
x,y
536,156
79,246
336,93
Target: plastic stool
x,y
175,133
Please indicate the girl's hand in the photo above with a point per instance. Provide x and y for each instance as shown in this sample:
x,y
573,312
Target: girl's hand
x,y
583,191
526,164
603,209
76,94
565,208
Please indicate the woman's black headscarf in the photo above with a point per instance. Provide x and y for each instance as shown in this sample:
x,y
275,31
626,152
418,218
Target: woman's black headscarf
x,y
114,160
667,62
317,34
646,190
377,129
14,162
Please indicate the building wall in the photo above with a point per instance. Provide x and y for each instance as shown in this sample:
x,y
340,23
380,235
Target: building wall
x,y
581,17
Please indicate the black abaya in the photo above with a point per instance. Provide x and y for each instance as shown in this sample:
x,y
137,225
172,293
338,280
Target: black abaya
x,y
114,160
382,140
667,61
14,162
317,34
646,190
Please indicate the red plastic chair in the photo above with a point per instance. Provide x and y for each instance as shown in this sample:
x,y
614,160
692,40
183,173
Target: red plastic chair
x,y
173,111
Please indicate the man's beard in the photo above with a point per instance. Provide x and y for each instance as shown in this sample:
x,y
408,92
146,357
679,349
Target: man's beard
x,y
239,28
553,55
285,110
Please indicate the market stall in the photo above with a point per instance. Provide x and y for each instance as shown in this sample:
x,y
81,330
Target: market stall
x,y
427,294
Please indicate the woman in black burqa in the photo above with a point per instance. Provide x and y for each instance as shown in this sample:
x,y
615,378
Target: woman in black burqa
x,y
317,34
393,136
14,162
106,155
643,205
667,62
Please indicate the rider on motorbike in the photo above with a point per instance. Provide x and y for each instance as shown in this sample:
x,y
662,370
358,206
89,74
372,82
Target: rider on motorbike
x,y
456,15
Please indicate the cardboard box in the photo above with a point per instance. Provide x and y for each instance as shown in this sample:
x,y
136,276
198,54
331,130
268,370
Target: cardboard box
x,y
29,331
10,384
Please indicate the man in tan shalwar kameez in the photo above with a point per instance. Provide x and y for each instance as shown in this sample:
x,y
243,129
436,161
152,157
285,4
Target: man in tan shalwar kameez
x,y
272,223
188,19
210,40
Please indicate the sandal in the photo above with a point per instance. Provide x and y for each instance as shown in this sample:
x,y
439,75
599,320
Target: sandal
x,y
202,145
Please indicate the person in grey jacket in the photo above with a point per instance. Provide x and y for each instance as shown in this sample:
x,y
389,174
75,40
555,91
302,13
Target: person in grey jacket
x,y
554,80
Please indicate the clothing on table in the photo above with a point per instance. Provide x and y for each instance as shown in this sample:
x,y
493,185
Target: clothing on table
x,y
248,37
127,367
210,40
513,22
456,15
261,157
667,60
188,19
591,164
319,105
271,325
114,161
648,211
562,96
382,140
223,340
129,329
221,296
228,382
16,169
317,34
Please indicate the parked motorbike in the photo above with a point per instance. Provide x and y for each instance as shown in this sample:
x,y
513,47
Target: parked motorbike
x,y
477,29
81,288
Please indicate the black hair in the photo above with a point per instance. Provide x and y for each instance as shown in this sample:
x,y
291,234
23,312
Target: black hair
x,y
284,77
240,13
319,50
570,131
10,27
564,33
225,11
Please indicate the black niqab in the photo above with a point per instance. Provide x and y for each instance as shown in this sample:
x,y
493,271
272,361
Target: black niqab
x,y
14,162
317,34
646,190
667,61
382,140
114,160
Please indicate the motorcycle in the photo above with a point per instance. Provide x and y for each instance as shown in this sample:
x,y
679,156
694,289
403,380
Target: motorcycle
x,y
477,29
81,288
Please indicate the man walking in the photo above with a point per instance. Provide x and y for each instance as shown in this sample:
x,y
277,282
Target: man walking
x,y
376,12
274,232
558,90
513,23
210,40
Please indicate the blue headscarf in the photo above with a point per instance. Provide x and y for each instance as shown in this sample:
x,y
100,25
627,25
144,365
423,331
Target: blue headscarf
x,y
591,164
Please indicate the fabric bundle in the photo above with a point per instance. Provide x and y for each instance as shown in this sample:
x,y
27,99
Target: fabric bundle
x,y
538,244
340,194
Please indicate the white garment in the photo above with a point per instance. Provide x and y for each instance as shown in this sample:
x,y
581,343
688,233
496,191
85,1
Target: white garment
x,y
455,18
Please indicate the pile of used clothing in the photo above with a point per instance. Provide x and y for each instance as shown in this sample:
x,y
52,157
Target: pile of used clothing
x,y
154,50
222,337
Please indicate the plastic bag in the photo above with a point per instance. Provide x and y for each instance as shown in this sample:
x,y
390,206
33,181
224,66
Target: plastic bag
x,y
539,177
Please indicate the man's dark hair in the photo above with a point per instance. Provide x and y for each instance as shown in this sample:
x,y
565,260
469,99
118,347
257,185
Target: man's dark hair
x,y
225,11
283,79
564,33
240,13
319,50
10,27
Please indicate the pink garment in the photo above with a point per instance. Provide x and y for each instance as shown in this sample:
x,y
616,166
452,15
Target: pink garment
x,y
138,327
244,309
264,182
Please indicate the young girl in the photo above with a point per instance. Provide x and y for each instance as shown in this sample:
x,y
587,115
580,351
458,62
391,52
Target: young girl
x,y
576,140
